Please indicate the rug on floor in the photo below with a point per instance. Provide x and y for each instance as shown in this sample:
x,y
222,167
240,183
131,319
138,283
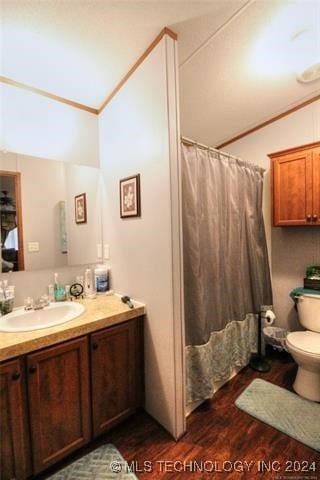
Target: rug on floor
x,y
284,410
103,463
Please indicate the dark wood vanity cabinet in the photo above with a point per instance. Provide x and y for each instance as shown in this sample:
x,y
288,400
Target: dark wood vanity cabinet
x,y
115,374
14,439
59,402
67,394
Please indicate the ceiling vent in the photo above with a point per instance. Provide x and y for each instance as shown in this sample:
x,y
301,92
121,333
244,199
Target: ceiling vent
x,y
310,74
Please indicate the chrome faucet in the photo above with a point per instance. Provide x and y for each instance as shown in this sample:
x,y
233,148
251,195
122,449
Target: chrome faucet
x,y
41,302
38,304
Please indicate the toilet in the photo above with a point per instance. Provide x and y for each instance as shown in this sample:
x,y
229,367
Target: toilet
x,y
305,347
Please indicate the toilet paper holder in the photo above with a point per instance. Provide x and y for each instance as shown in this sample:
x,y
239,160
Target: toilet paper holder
x,y
257,361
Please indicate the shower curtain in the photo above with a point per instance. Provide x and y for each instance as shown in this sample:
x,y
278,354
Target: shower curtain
x,y
226,270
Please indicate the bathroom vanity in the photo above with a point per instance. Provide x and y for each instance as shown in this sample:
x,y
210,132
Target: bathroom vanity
x,y
63,386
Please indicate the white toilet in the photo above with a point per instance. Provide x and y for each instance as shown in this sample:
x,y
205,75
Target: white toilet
x,y
305,348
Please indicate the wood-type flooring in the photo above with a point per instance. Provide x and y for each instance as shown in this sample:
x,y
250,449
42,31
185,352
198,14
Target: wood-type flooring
x,y
222,442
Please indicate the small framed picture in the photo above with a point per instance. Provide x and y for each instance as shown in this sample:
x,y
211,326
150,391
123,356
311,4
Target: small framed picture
x,y
80,206
130,196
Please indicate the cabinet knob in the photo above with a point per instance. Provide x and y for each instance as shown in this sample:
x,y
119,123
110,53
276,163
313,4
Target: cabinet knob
x,y
315,218
15,376
309,218
94,346
32,369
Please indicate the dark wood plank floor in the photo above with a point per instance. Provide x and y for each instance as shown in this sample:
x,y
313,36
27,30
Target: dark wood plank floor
x,y
221,442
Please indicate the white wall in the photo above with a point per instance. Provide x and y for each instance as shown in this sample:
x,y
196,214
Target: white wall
x,y
83,238
292,248
139,134
38,126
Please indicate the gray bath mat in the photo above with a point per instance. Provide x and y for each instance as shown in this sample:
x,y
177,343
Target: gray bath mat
x,y
286,411
104,463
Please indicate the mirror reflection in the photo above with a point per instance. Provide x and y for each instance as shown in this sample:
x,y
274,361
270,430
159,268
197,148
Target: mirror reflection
x,y
41,230
12,258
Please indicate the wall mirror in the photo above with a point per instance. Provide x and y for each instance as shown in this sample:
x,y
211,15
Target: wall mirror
x,y
39,227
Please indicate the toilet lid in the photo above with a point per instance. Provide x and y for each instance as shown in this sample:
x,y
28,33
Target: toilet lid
x,y
306,341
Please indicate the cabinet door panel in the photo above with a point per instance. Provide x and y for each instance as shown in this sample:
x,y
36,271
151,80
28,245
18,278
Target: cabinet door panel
x,y
114,375
292,176
14,444
59,401
316,186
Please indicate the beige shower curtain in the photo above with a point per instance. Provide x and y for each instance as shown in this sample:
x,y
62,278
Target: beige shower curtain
x,y
226,271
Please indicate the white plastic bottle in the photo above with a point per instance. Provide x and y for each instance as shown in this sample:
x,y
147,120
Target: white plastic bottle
x,y
101,279
88,286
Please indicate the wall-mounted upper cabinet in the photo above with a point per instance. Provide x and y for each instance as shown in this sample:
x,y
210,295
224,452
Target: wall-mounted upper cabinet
x,y
296,186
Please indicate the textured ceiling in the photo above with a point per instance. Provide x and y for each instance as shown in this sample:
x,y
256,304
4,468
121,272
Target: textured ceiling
x,y
80,49
239,70
234,73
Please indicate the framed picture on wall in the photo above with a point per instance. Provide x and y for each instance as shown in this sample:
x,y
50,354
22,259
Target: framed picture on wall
x,y
80,205
130,197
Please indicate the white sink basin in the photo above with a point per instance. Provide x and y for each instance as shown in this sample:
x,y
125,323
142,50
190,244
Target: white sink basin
x,y
54,314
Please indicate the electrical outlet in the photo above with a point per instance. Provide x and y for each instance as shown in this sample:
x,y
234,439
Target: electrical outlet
x,y
106,251
99,250
33,247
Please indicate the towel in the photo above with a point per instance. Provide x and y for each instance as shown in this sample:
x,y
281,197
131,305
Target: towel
x,y
301,291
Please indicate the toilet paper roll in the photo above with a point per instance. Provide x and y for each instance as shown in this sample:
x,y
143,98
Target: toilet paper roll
x,y
268,318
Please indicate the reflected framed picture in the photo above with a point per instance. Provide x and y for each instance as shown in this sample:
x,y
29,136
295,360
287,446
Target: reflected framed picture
x,y
80,206
130,197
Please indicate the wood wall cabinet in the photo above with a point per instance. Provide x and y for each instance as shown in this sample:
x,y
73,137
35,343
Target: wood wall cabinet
x,y
296,186
14,438
51,398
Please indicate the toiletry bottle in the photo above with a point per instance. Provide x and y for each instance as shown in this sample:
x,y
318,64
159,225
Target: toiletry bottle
x,y
67,289
51,292
59,290
88,284
101,279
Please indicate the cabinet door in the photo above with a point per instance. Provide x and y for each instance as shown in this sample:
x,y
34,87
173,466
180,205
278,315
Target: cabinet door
x,y
58,381
316,187
116,373
292,189
14,444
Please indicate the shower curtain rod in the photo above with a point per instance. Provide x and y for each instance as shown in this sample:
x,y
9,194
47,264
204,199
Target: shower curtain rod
x,y
188,141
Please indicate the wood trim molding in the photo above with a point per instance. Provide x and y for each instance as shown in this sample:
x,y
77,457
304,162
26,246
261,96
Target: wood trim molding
x,y
164,31
268,122
43,93
95,111
307,146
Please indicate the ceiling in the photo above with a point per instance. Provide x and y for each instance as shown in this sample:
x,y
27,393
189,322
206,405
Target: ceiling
x,y
238,69
81,49
234,73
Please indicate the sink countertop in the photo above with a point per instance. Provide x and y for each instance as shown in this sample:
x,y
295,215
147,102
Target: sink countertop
x,y
101,312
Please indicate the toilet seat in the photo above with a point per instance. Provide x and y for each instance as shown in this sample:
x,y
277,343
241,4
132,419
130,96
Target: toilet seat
x,y
306,341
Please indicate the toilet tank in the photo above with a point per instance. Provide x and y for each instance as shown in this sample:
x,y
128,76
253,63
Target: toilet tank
x,y
309,311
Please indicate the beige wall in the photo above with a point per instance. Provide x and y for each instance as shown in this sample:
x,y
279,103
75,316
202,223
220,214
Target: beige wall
x,y
139,134
292,248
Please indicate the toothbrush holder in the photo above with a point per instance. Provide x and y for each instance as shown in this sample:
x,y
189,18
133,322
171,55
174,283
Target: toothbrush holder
x,y
6,306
